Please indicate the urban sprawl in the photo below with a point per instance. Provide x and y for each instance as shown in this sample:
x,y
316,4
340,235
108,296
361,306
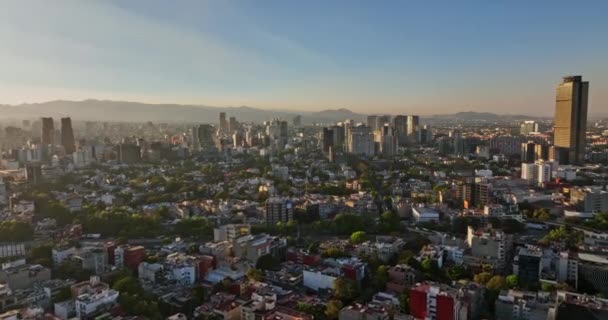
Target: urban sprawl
x,y
401,217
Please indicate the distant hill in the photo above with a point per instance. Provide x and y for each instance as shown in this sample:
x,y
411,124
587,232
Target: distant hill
x,y
104,110
483,116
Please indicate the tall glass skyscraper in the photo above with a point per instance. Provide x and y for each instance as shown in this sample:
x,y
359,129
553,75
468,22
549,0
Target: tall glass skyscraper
x,y
571,118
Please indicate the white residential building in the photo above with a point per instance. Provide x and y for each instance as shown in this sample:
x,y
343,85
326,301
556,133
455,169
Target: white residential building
x,y
88,305
184,274
320,279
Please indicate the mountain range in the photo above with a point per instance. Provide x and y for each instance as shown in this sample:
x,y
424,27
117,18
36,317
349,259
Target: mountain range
x,y
124,111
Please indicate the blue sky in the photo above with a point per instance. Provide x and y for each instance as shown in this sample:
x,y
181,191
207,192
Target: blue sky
x,y
369,56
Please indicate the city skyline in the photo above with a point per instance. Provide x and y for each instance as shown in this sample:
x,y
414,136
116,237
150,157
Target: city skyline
x,y
391,59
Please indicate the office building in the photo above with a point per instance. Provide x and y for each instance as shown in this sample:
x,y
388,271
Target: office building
x,y
426,134
33,172
541,152
382,120
385,141
339,137
527,265
538,172
3,198
570,127
493,246
528,152
413,129
400,125
589,199
483,193
48,131
128,153
206,133
372,121
327,139
278,210
223,122
566,269
277,133
528,126
67,136
360,141
232,124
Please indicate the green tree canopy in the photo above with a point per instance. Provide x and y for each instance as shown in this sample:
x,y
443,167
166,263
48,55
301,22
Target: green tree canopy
x,y
358,237
254,274
482,278
512,281
129,285
268,262
333,309
496,283
345,289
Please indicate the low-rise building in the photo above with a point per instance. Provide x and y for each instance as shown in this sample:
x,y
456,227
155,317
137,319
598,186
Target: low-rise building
x,y
24,276
523,305
430,301
370,311
90,304
424,214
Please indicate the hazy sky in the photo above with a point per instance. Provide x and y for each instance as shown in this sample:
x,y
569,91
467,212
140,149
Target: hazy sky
x,y
369,56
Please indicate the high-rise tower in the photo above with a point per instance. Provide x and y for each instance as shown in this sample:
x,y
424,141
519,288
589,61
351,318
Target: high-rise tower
x,y
67,136
48,129
223,122
571,118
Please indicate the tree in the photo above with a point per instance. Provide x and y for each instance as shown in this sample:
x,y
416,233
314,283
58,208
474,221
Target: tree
x,y
268,262
313,248
404,301
67,270
405,256
317,310
380,278
457,273
12,230
358,237
549,287
416,243
496,283
254,274
196,227
345,289
571,238
512,281
511,226
333,309
128,285
199,293
333,252
541,214
42,255
482,278
427,265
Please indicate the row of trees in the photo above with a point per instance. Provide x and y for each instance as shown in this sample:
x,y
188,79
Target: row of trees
x,y
597,222
12,230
